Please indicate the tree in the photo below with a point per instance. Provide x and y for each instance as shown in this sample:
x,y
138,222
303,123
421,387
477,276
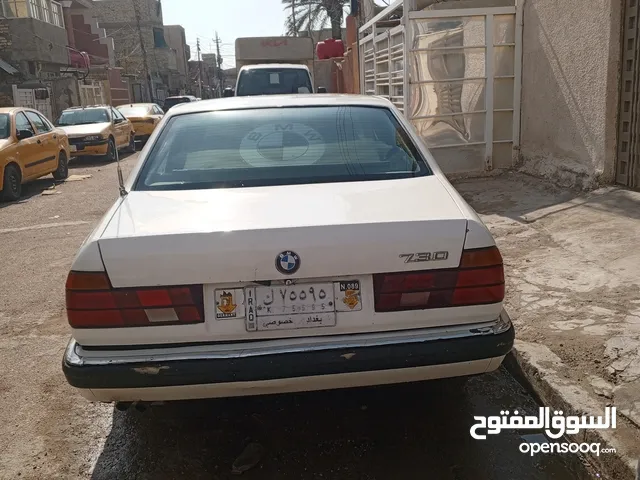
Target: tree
x,y
310,15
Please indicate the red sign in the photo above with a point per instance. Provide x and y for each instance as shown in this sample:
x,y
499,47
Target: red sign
x,y
274,43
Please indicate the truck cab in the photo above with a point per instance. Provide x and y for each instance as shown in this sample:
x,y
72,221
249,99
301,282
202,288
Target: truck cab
x,y
273,79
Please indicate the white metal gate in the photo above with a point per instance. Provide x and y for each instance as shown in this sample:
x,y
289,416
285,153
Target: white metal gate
x,y
27,97
628,159
456,77
91,95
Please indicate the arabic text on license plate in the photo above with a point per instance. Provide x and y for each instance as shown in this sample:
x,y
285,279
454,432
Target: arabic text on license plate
x,y
295,299
73,148
302,320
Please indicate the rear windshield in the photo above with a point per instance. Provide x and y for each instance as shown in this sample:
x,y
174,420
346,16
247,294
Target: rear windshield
x,y
172,102
279,146
274,81
83,117
139,111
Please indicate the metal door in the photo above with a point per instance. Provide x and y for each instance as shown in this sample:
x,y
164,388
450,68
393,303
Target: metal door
x,y
91,95
464,70
628,158
26,97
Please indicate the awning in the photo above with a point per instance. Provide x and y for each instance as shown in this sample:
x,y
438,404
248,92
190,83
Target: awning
x,y
7,68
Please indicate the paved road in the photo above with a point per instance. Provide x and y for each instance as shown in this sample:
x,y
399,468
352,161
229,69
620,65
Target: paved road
x,y
47,431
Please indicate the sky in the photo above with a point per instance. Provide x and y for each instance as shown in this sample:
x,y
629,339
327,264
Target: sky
x,y
231,18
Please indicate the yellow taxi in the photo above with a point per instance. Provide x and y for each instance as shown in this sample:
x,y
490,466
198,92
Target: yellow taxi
x,y
30,147
145,117
98,130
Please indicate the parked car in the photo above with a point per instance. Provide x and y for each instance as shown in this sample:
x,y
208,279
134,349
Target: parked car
x,y
97,131
170,102
145,117
279,244
30,147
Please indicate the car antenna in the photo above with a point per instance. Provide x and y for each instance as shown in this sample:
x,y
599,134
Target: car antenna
x,y
123,191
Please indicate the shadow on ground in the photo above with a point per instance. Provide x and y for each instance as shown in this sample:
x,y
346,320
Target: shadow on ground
x,y
397,432
88,162
525,199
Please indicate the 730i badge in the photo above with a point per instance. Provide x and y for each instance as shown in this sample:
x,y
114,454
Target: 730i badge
x,y
424,256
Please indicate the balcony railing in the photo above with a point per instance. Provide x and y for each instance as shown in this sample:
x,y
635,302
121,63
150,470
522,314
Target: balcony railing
x,y
44,10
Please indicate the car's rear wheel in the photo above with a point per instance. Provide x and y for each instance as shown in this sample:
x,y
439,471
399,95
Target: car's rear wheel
x,y
12,184
62,171
131,148
111,151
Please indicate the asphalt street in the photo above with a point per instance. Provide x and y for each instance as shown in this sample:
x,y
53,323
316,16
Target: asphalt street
x,y
47,431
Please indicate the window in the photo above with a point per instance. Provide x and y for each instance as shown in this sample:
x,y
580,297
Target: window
x,y
158,38
23,124
38,121
117,114
83,116
137,111
157,110
280,146
5,126
274,81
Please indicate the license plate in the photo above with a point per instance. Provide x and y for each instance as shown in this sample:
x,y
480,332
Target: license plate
x,y
73,148
288,307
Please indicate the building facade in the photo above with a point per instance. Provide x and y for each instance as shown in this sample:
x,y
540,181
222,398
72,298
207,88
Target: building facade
x,y
141,48
177,41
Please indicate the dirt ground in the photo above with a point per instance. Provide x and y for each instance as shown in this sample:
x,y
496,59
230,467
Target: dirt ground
x,y
572,262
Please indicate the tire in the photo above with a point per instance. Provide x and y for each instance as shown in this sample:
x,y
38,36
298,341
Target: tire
x,y
12,184
62,171
111,151
131,148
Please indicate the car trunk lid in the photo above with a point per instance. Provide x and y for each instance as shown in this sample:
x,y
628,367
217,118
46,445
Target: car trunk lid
x,y
235,235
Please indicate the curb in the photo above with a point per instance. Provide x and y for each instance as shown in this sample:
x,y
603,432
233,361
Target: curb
x,y
529,364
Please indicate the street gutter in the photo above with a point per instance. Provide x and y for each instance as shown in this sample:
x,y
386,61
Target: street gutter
x,y
537,367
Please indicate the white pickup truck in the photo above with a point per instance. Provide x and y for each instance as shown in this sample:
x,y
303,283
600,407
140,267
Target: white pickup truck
x,y
274,65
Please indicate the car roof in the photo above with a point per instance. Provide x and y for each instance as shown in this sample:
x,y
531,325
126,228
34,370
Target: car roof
x,y
136,105
280,101
88,107
15,109
274,65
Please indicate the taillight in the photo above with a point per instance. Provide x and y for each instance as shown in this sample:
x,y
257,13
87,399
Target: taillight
x,y
478,280
93,303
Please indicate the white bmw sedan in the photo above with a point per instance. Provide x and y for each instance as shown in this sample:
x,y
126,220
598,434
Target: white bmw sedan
x,y
279,244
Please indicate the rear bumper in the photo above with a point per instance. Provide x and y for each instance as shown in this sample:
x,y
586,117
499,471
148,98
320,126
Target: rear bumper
x,y
143,130
271,366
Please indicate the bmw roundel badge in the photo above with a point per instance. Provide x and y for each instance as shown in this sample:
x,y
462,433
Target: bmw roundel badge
x,y
288,262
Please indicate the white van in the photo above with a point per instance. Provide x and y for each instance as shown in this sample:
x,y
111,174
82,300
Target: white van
x,y
274,79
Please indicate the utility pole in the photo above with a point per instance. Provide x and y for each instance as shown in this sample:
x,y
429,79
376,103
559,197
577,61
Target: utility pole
x,y
144,49
219,65
199,70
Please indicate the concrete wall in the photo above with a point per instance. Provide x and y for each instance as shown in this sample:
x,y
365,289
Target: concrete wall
x,y
175,37
27,39
323,74
65,94
571,60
